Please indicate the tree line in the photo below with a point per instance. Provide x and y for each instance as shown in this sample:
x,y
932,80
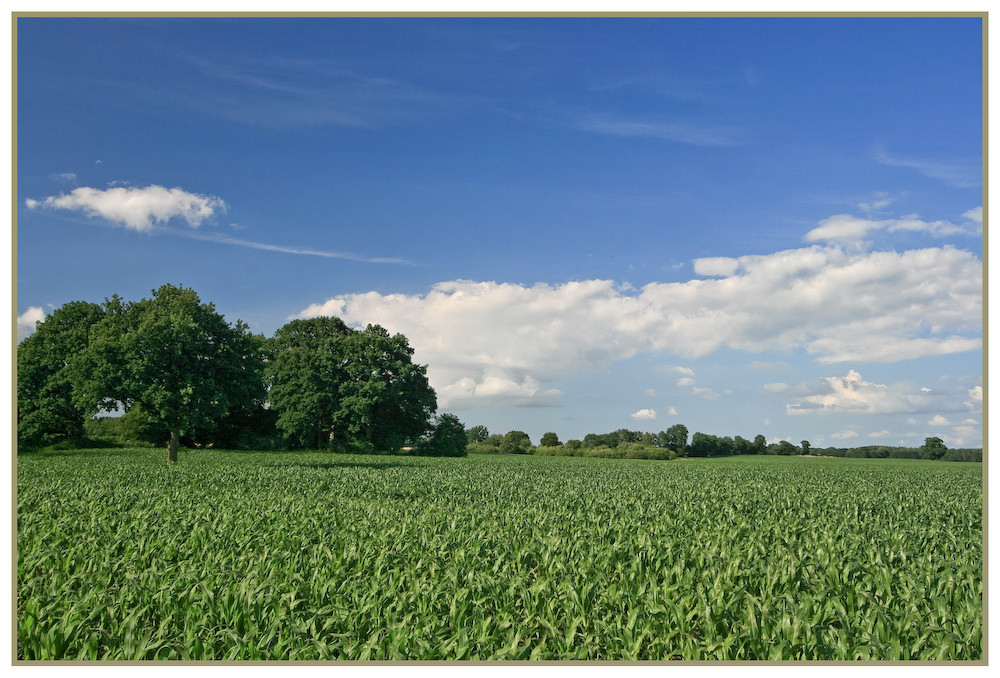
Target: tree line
x,y
674,443
180,374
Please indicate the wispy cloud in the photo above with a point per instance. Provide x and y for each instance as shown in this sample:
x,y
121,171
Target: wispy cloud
x,y
281,92
957,173
149,209
678,132
238,242
848,229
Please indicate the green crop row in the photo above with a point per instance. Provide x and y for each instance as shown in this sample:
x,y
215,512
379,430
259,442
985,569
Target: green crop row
x,y
236,555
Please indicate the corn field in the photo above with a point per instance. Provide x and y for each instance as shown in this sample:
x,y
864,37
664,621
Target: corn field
x,y
315,556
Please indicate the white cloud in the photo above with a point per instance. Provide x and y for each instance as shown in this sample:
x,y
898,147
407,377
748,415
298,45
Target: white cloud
x,y
880,434
27,320
672,411
880,201
140,209
847,229
845,434
716,266
649,393
835,304
975,401
680,370
685,382
938,420
644,415
851,393
706,393
975,214
496,389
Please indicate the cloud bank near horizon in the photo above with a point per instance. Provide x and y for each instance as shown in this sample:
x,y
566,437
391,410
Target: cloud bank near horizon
x,y
502,344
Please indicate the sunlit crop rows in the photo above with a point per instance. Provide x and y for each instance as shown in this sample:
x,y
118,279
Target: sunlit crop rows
x,y
319,556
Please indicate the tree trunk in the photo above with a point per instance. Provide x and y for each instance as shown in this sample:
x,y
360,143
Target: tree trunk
x,y
172,447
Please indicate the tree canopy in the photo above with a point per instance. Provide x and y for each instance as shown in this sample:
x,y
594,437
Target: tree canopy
x,y
46,411
330,383
175,357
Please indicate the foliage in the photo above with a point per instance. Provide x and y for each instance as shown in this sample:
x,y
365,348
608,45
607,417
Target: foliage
x,y
46,412
174,357
478,434
305,371
313,556
386,399
549,440
934,448
448,438
330,383
516,442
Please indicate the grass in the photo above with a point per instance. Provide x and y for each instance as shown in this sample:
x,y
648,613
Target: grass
x,y
306,556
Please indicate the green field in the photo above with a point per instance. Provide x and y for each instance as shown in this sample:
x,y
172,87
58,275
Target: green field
x,y
306,556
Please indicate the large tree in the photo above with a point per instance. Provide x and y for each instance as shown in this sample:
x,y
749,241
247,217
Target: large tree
x,y
332,383
175,357
46,412
386,399
306,370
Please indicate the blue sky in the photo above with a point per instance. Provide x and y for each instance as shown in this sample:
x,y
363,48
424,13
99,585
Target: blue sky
x,y
748,226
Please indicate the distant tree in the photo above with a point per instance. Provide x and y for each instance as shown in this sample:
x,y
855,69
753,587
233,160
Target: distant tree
x,y
933,448
702,445
478,434
574,444
676,438
447,438
46,411
549,440
741,445
759,445
175,357
516,442
805,447
786,448
624,437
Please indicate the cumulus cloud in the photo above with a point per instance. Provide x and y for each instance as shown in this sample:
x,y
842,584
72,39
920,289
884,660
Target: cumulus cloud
x,y
848,229
845,434
26,321
644,415
975,215
139,209
836,304
853,394
975,401
938,420
716,266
